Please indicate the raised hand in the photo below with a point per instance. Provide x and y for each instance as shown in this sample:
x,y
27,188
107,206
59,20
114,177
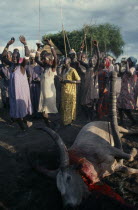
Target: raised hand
x,y
95,43
38,45
47,41
11,41
82,45
22,40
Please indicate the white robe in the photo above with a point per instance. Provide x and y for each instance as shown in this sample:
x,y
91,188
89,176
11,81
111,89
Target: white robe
x,y
47,102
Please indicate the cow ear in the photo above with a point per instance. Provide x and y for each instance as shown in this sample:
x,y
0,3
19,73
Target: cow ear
x,y
60,183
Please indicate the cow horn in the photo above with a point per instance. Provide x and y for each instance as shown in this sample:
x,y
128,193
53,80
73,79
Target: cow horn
x,y
113,111
64,157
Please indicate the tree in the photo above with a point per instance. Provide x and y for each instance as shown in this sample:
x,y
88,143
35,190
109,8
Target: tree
x,y
109,38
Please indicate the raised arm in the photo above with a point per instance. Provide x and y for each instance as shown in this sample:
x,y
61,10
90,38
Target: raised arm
x,y
27,52
86,65
81,51
24,42
98,55
37,55
5,52
53,53
129,71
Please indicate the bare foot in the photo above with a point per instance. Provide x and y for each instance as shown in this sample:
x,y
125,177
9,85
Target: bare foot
x,y
133,153
29,124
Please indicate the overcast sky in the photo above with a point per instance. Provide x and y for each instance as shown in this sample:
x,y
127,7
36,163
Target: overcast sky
x,y
22,18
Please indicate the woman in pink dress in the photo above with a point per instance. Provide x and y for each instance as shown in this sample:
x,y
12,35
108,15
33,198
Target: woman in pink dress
x,y
19,93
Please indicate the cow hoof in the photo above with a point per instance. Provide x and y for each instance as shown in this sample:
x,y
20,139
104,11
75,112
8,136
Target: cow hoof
x,y
133,153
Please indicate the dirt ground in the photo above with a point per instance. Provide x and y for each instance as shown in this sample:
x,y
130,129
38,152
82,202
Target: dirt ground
x,y
21,187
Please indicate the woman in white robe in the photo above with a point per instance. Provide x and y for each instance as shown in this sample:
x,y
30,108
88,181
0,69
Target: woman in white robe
x,y
47,103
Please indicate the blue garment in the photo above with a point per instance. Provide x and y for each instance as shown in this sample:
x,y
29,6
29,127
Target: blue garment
x,y
34,74
133,60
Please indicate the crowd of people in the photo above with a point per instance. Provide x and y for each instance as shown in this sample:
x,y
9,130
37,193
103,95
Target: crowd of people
x,y
58,89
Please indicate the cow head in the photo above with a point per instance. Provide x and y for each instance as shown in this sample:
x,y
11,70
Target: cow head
x,y
71,187
68,179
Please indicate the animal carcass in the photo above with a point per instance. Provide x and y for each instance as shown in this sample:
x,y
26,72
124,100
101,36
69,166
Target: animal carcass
x,y
92,155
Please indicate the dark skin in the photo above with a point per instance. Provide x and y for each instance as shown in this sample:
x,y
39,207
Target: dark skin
x,y
128,113
75,63
32,60
16,56
82,56
95,62
46,61
7,46
67,66
9,56
15,62
129,64
103,63
72,56
95,43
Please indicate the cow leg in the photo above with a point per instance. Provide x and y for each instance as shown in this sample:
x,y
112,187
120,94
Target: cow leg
x,y
117,153
128,170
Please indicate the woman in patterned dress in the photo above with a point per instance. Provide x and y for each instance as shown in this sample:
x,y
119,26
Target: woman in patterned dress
x,y
69,80
126,100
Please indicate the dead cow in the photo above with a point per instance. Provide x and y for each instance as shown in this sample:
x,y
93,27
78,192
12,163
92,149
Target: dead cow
x,y
96,153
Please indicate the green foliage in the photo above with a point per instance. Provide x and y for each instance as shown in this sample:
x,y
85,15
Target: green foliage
x,y
109,38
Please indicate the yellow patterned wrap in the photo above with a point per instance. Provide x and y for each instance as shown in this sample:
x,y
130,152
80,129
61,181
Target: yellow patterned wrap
x,y
68,97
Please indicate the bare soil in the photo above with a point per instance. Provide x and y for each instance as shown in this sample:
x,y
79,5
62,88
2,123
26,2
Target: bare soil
x,y
21,187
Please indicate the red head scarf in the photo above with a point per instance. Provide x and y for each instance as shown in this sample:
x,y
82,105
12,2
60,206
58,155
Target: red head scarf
x,y
107,63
